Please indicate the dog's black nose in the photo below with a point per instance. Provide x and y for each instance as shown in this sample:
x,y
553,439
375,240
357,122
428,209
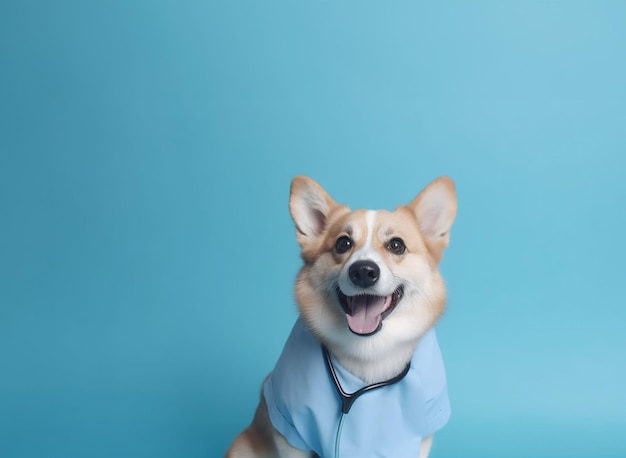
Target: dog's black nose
x,y
364,273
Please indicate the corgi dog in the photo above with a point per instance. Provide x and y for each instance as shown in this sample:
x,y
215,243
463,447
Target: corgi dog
x,y
361,374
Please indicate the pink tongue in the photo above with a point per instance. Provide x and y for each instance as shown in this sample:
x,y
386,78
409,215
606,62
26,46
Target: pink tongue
x,y
366,311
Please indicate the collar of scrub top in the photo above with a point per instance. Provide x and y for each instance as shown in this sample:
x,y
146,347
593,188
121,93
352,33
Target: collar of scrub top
x,y
347,399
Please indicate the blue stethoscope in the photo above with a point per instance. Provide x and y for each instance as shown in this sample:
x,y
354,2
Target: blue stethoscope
x,y
347,399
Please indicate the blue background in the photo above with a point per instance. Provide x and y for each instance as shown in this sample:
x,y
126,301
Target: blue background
x,y
146,251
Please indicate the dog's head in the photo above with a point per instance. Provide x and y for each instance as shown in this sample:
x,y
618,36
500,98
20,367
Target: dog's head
x,y
370,280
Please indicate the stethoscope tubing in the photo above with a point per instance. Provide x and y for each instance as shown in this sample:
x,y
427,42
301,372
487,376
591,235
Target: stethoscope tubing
x,y
348,399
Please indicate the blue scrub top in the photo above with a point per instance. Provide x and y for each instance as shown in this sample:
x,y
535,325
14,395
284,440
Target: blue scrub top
x,y
304,405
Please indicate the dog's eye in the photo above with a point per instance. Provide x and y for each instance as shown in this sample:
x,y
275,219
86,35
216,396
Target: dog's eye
x,y
343,244
396,246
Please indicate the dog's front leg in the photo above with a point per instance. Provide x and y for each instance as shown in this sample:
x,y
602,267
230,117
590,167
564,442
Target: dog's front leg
x,y
425,447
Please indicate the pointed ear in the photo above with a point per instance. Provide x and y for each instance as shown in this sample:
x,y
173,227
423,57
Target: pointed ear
x,y
310,206
435,209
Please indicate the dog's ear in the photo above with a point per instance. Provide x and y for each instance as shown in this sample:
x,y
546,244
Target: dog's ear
x,y
435,209
310,206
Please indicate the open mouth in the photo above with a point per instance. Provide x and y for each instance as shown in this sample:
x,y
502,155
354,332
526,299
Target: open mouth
x,y
366,312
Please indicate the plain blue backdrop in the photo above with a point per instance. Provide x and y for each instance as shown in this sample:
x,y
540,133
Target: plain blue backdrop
x,y
146,251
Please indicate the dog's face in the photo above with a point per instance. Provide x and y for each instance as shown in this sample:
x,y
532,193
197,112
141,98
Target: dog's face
x,y
370,281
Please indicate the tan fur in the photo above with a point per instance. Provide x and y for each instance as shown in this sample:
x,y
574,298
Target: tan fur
x,y
261,440
424,226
